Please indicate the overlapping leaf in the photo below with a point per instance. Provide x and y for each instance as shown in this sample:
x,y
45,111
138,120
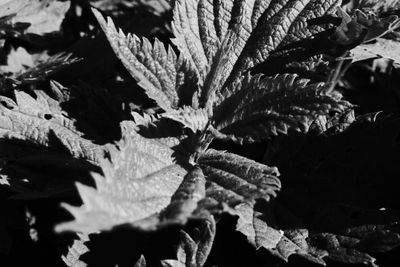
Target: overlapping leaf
x,y
162,74
377,6
139,180
336,203
193,252
42,122
24,68
220,42
233,179
272,105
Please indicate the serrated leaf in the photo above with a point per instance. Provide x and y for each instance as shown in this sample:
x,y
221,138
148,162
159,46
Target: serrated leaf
x,y
158,70
78,248
279,243
266,106
193,252
194,119
139,180
42,121
24,68
220,42
233,179
336,194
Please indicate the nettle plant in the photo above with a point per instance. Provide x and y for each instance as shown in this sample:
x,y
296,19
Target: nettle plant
x,y
162,171
152,180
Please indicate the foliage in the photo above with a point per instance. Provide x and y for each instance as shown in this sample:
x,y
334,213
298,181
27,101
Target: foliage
x,y
239,109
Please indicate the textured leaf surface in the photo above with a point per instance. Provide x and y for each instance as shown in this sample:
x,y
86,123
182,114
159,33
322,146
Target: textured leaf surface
x,y
40,121
220,42
139,180
194,119
272,105
233,179
224,39
158,70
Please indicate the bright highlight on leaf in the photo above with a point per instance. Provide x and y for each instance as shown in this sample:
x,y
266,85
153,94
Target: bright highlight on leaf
x,y
139,180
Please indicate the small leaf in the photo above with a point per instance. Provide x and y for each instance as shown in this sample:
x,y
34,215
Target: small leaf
x,y
193,252
380,48
141,262
78,248
194,119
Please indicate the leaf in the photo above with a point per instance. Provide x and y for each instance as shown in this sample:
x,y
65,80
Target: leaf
x,y
380,48
233,179
42,121
223,40
377,6
194,119
185,200
141,262
363,28
281,244
77,249
139,180
266,106
193,252
25,68
157,7
159,71
43,16
337,199
219,44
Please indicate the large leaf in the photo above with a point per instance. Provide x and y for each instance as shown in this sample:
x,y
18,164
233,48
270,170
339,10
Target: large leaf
x,y
139,179
271,105
219,43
